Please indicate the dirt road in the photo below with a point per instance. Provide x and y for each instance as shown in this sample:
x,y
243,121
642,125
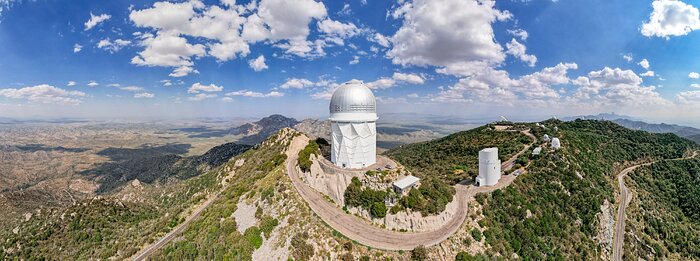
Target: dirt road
x,y
367,234
625,198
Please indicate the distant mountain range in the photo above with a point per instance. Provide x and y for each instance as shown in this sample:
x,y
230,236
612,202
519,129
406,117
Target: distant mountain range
x,y
636,124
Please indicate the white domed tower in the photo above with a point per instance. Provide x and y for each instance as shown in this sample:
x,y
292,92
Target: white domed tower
x,y
353,126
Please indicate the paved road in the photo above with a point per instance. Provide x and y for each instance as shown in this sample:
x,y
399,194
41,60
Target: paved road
x,y
367,234
181,227
625,198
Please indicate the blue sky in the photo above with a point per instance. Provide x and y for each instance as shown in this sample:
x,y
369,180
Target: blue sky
x,y
468,58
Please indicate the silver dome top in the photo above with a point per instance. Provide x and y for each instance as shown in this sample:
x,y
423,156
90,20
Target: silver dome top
x,y
353,97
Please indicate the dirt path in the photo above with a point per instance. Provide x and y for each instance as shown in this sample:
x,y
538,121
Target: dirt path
x,y
367,234
625,198
181,227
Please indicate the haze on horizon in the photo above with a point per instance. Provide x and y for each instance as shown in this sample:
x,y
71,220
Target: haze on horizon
x,y
461,58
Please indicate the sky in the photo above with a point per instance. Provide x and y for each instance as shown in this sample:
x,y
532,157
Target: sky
x,y
523,59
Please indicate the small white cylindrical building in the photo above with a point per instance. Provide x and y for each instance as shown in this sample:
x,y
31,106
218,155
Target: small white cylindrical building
x,y
556,144
353,126
489,167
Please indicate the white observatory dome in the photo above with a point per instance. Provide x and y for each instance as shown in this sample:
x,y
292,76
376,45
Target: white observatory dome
x,y
353,126
353,101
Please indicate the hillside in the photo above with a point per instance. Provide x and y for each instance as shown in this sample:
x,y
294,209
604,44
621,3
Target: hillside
x,y
665,216
157,164
455,157
690,133
561,209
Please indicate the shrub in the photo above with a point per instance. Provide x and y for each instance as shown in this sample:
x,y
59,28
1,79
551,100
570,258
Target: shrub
x,y
305,155
476,234
302,250
419,253
378,210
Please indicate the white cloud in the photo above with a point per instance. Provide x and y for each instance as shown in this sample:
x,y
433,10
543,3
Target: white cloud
x,y
689,97
71,83
166,83
92,83
247,93
381,40
355,60
198,87
296,83
202,96
671,18
44,93
112,47
447,33
168,50
95,20
627,57
142,95
131,88
381,83
616,87
226,99
408,77
694,75
77,48
644,63
339,29
519,33
648,74
258,64
695,85
412,95
518,50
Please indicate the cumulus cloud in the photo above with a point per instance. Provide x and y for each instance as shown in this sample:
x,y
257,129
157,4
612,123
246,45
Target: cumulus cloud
x,y
518,50
168,50
198,87
143,95
71,83
695,85
694,75
648,74
92,84
296,83
408,77
671,18
381,40
166,82
112,47
227,30
247,93
689,97
95,20
644,63
519,33
77,48
258,64
44,93
447,33
386,82
616,87
355,60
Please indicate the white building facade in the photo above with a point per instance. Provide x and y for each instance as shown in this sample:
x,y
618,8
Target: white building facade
x,y
489,167
353,118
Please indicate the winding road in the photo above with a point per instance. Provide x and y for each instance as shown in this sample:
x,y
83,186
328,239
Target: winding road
x,y
625,198
367,234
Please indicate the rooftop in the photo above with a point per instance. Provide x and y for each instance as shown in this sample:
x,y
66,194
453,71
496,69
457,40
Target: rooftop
x,y
406,182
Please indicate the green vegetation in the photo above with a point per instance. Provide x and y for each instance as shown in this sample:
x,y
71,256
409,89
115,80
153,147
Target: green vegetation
x,y
464,256
213,235
301,250
438,158
305,155
666,214
476,234
430,198
564,207
419,253
356,196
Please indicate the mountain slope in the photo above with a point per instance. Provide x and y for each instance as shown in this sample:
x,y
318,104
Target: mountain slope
x,y
557,210
149,166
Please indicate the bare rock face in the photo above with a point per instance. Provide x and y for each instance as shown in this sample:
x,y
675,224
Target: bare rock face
x,y
606,228
315,128
330,184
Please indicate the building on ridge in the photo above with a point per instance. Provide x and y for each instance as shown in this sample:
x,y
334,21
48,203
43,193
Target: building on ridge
x,y
489,167
353,116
